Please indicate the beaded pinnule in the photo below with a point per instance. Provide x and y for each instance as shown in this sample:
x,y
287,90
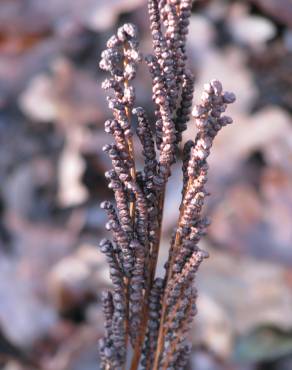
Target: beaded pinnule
x,y
152,315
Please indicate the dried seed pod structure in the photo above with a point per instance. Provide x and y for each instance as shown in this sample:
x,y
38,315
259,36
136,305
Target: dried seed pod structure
x,y
151,314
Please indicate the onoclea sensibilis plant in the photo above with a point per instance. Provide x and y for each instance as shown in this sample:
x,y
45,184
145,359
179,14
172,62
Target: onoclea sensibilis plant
x,y
147,317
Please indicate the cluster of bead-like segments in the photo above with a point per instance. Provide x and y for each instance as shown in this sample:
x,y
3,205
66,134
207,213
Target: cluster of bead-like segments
x,y
128,221
154,313
178,306
173,84
136,221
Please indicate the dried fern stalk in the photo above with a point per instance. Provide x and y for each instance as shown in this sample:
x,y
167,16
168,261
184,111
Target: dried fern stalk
x,y
147,318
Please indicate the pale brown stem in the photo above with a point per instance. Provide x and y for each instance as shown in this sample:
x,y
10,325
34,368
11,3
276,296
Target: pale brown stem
x,y
132,214
155,247
152,269
174,247
155,254
138,347
178,336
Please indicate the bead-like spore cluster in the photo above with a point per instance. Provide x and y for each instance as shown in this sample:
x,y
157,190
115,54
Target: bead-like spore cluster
x,y
152,315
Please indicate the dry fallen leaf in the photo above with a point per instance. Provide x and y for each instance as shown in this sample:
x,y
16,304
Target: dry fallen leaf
x,y
250,292
251,30
213,327
24,316
69,96
71,167
78,278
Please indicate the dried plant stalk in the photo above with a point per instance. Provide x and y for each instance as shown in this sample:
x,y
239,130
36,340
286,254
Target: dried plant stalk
x,y
155,313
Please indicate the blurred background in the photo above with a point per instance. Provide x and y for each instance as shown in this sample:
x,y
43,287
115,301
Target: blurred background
x,y
51,176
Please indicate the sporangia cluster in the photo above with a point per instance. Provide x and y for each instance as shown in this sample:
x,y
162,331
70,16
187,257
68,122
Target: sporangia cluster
x,y
147,317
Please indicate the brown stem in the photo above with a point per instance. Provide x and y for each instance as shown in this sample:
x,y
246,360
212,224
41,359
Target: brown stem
x,y
131,210
132,215
138,347
174,247
152,269
179,335
155,247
